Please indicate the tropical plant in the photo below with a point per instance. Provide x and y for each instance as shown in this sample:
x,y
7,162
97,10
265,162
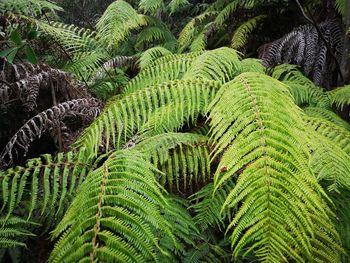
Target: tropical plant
x,y
272,187
199,156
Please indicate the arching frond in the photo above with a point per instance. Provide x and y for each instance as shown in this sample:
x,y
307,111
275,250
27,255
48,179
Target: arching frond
x,y
207,206
123,117
155,34
28,7
303,90
283,215
151,6
116,222
176,5
252,65
330,163
226,12
14,231
241,34
189,31
182,157
340,96
326,114
47,121
75,40
150,55
44,184
159,73
117,22
220,64
335,133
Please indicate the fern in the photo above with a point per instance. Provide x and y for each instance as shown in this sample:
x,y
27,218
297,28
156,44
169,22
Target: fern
x,y
325,156
150,55
335,133
326,114
13,231
340,96
267,153
122,222
176,5
190,30
240,36
160,72
221,64
151,6
28,7
123,117
115,25
303,90
252,65
207,207
44,184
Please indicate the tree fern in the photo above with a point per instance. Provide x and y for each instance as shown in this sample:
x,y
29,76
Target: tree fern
x,y
340,96
303,90
124,116
335,133
221,64
13,231
151,6
207,206
326,114
28,7
150,55
159,73
283,212
241,34
117,22
190,30
44,184
116,222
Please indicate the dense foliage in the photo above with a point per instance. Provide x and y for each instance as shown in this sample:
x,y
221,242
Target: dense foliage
x,y
148,132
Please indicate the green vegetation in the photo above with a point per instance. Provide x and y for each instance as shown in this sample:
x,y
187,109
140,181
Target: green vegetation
x,y
150,133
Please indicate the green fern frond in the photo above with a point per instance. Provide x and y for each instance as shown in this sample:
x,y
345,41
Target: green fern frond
x,y
326,114
252,65
116,215
341,6
335,133
220,64
14,231
151,6
176,5
340,96
282,210
31,8
174,57
329,162
206,252
44,184
84,65
343,218
190,30
225,13
75,40
159,73
124,116
303,90
155,34
207,206
150,55
241,34
117,22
